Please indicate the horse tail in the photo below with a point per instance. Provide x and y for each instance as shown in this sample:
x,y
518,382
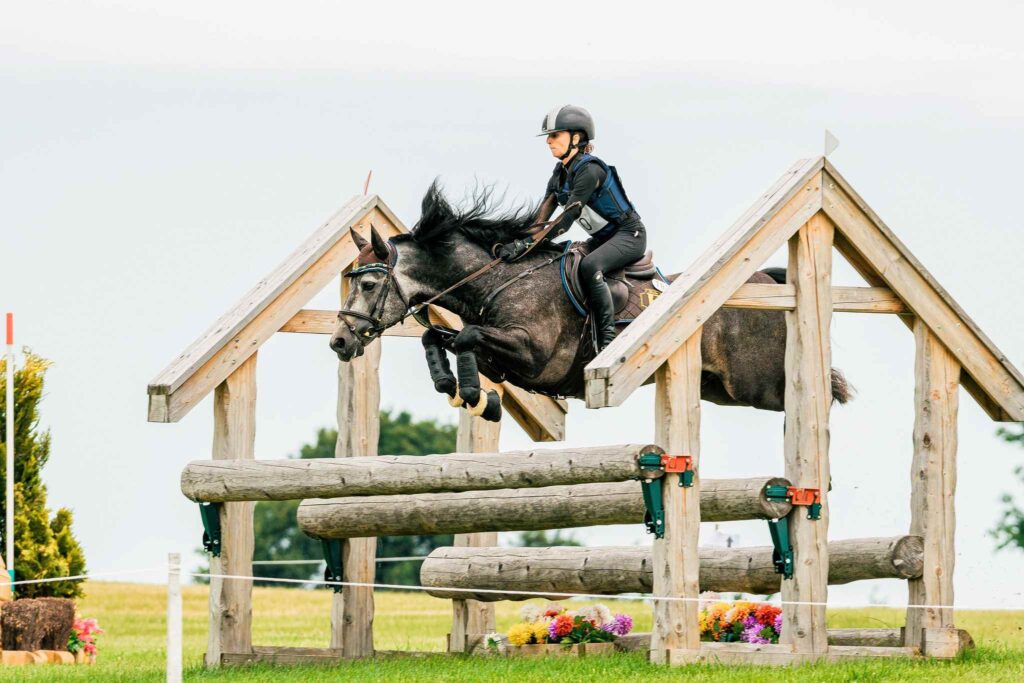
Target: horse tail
x,y
842,391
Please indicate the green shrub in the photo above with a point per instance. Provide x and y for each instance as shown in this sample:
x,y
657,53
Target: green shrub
x,y
43,547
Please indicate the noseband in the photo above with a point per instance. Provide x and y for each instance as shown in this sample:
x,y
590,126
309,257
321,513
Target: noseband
x,y
376,315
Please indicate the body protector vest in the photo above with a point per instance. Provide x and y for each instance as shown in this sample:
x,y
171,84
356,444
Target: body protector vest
x,y
606,206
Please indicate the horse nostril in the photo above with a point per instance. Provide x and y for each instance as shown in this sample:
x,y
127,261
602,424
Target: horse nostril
x,y
337,344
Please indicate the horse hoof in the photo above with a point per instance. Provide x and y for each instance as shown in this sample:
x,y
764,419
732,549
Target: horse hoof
x,y
470,395
446,386
492,413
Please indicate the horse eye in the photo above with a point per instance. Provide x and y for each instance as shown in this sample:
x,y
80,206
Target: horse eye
x,y
368,285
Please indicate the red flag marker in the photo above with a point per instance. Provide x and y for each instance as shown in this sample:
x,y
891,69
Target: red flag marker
x,y
10,329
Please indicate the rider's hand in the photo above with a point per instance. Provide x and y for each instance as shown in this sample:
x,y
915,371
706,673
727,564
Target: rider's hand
x,y
512,250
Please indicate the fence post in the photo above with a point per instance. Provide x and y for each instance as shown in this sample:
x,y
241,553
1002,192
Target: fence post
x,y
174,618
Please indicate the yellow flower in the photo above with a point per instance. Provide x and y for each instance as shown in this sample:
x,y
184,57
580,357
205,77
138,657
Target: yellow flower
x,y
540,631
520,634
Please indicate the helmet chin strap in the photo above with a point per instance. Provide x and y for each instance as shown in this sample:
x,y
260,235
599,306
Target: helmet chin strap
x,y
568,150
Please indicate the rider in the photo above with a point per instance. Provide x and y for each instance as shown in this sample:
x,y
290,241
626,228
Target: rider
x,y
591,193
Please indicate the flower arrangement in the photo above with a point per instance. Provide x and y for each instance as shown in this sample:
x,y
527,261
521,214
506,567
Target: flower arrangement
x,y
83,637
554,624
743,622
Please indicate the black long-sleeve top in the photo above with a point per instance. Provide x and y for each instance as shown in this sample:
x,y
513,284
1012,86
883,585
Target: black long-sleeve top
x,y
586,181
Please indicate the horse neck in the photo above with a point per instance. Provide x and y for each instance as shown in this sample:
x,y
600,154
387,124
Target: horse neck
x,y
431,272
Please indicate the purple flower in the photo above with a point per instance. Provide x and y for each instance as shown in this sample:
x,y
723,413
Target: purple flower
x,y
778,623
620,625
752,634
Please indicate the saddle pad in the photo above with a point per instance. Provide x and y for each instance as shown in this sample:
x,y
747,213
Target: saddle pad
x,y
630,295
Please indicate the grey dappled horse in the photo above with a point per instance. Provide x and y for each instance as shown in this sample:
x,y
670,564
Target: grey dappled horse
x,y
527,332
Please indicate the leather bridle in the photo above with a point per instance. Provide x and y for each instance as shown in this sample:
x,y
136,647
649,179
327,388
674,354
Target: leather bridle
x,y
376,315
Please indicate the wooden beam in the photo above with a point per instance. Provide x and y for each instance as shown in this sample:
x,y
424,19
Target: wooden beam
x,y
933,484
298,478
808,399
234,436
525,509
630,569
358,416
844,299
314,321
876,248
471,618
260,313
703,287
676,564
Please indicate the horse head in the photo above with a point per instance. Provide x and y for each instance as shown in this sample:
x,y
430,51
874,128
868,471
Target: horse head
x,y
375,301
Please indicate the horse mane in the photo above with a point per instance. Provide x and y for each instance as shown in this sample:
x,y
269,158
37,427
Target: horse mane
x,y
479,219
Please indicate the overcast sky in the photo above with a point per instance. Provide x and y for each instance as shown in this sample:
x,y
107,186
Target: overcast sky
x,y
160,158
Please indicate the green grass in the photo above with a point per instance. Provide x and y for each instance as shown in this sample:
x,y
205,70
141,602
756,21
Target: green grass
x,y
133,647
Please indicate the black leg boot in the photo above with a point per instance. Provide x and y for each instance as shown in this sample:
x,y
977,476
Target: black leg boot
x,y
599,300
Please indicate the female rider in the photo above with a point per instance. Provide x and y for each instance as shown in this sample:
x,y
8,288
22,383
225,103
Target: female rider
x,y
591,193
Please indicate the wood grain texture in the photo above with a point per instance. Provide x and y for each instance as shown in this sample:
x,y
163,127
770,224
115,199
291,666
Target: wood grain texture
x,y
1000,384
295,479
529,509
316,321
358,418
259,314
471,618
844,299
933,483
234,436
808,400
704,286
614,570
675,563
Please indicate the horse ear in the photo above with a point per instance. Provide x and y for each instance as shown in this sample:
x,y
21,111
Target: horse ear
x,y
380,245
358,239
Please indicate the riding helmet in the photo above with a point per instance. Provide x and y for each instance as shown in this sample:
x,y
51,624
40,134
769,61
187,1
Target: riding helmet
x,y
568,117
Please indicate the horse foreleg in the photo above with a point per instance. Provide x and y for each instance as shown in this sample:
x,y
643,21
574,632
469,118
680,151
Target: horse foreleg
x,y
437,363
465,345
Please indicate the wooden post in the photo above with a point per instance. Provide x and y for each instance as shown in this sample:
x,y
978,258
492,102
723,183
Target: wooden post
x,y
358,434
808,400
933,485
470,618
234,438
675,637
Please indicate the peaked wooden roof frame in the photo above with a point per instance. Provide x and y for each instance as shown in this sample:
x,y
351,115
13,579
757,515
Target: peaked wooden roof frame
x,y
275,305
719,274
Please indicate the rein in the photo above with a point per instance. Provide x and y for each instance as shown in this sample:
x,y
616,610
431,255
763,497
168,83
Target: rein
x,y
375,316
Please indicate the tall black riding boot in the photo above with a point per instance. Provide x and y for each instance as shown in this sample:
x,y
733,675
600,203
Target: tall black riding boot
x,y
599,300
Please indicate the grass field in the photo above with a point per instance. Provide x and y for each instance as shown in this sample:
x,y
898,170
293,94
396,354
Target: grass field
x,y
133,647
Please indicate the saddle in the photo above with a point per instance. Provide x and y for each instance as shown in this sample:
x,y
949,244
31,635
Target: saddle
x,y
633,288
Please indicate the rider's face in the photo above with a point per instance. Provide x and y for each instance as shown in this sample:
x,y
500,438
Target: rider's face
x,y
558,143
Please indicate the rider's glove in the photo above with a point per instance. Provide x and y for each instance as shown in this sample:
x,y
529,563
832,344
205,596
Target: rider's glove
x,y
512,250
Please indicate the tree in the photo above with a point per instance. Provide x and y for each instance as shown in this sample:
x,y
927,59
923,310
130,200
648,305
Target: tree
x,y
1009,531
545,539
43,547
277,533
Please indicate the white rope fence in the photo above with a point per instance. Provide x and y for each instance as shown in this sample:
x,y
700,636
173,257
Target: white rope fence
x,y
175,649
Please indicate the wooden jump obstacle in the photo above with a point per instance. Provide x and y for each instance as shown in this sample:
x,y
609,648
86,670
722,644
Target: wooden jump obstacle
x,y
812,209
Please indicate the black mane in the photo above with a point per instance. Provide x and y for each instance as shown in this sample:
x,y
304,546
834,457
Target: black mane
x,y
479,222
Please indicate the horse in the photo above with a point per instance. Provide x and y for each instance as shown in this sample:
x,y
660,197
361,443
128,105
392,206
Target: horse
x,y
518,324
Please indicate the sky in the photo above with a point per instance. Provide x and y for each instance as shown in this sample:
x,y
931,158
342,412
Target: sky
x,y
160,158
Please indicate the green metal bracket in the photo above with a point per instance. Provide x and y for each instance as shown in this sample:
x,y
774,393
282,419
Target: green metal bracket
x,y
654,517
782,554
332,556
811,498
210,513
